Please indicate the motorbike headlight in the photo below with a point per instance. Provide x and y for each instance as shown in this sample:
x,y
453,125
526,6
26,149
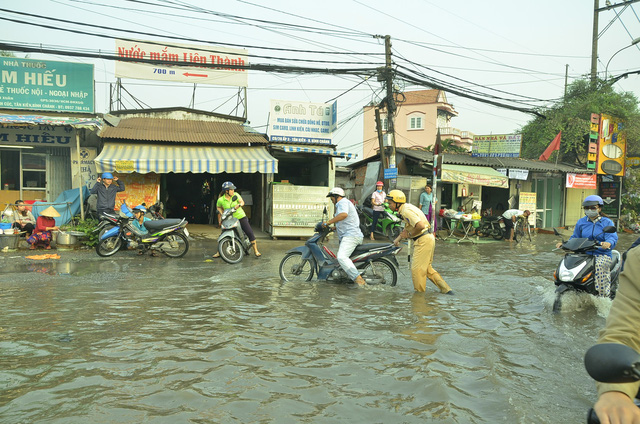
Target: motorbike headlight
x,y
566,275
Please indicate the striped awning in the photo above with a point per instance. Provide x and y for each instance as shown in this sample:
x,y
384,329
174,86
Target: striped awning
x,y
161,159
330,152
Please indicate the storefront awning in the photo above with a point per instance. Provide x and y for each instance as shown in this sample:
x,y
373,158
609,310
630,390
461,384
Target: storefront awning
x,y
161,159
316,150
478,175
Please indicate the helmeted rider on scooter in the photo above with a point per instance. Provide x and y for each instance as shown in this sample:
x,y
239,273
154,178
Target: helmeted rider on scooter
x,y
349,234
229,199
591,226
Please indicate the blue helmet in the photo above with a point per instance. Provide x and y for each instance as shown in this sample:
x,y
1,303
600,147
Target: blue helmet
x,y
140,208
592,200
107,175
228,185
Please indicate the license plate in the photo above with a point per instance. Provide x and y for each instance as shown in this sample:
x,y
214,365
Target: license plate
x,y
186,232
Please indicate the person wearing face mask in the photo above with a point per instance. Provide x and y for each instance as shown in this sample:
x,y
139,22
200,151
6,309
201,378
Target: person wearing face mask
x,y
591,226
377,201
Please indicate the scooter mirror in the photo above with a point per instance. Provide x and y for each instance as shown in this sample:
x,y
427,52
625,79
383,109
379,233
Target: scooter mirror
x,y
612,363
556,232
324,211
609,229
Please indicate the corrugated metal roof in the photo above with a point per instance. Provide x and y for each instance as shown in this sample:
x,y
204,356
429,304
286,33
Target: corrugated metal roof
x,y
517,163
181,131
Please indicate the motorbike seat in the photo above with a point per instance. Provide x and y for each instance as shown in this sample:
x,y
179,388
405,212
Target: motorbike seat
x,y
364,247
491,218
367,211
160,224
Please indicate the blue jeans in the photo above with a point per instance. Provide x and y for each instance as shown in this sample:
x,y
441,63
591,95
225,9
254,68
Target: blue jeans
x,y
347,246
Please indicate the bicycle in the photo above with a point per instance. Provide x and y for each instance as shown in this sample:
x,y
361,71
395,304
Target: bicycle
x,y
521,229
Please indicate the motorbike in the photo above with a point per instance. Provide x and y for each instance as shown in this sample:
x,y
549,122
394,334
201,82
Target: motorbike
x,y
233,243
491,226
389,223
168,236
376,261
612,363
576,270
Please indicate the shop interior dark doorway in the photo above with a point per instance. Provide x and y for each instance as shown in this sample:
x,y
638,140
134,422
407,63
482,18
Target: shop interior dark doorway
x,y
194,196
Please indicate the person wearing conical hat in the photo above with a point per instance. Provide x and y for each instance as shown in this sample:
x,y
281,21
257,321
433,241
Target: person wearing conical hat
x,y
45,224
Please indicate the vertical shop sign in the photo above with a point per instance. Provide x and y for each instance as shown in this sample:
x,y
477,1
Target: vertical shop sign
x,y
609,190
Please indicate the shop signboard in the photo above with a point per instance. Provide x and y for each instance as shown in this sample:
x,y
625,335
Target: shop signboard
x,y
298,122
39,135
46,85
176,62
612,148
496,146
632,162
609,190
581,181
86,168
528,201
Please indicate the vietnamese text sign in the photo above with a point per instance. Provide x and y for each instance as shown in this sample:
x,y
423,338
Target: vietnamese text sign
x,y
299,122
46,85
609,190
581,181
528,202
497,146
390,173
38,136
182,63
86,170
519,174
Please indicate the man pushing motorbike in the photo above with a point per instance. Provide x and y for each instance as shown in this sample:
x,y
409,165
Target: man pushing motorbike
x,y
349,234
417,229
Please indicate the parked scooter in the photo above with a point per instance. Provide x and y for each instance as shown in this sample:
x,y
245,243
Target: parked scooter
x,y
168,236
612,363
389,223
233,243
376,261
576,271
491,226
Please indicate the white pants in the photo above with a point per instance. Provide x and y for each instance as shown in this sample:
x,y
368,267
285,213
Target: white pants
x,y
347,246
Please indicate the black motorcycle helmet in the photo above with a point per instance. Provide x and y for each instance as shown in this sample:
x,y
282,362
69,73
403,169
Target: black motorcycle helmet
x,y
318,228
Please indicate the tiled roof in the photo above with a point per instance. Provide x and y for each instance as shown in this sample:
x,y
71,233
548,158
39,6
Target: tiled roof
x,y
182,131
420,97
517,163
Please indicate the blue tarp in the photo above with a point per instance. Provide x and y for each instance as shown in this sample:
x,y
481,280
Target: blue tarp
x,y
67,204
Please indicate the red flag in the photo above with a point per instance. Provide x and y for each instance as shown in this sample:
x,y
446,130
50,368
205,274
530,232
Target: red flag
x,y
555,145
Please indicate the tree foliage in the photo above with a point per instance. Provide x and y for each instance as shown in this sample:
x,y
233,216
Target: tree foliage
x,y
572,116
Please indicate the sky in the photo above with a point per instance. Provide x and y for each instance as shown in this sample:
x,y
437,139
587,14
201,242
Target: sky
x,y
512,52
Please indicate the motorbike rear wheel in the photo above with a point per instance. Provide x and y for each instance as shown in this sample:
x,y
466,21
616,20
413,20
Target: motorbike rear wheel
x,y
109,246
293,268
175,245
497,233
380,271
231,250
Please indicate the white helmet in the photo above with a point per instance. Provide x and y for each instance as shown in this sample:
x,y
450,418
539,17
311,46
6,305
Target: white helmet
x,y
335,192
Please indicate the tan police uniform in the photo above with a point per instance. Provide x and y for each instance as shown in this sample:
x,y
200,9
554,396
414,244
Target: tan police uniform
x,y
423,247
623,322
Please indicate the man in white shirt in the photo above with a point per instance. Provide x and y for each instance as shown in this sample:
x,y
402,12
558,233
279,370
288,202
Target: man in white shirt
x,y
510,216
349,234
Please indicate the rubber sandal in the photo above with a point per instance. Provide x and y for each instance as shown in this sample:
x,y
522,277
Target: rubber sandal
x,y
217,255
258,255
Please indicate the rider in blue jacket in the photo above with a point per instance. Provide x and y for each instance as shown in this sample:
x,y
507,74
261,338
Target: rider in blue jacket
x,y
591,226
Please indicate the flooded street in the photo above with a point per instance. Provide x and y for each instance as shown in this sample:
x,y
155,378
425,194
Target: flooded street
x,y
135,339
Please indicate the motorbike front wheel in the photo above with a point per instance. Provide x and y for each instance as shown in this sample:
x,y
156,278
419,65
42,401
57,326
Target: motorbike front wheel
x,y
393,232
497,233
557,303
231,250
109,246
175,245
380,271
293,268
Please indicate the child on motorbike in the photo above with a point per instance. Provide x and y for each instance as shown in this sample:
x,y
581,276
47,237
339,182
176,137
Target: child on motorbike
x,y
591,226
138,223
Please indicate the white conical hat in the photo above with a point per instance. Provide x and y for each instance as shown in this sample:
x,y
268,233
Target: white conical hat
x,y
50,212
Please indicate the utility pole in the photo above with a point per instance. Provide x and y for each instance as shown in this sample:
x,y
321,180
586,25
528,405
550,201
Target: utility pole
x,y
383,161
391,105
566,79
594,40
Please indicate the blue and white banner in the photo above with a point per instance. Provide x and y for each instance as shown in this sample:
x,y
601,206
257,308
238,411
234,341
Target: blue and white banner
x,y
298,122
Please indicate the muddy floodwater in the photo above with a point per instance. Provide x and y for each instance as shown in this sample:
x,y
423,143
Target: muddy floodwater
x,y
132,339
